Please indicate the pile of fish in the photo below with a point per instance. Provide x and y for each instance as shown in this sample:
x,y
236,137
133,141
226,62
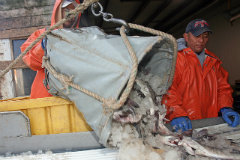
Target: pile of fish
x,y
141,121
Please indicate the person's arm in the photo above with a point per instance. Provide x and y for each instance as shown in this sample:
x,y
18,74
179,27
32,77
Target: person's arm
x,y
173,98
225,99
224,89
173,101
33,58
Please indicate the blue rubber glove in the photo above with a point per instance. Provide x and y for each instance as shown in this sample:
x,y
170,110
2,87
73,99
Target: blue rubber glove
x,y
43,43
181,124
227,113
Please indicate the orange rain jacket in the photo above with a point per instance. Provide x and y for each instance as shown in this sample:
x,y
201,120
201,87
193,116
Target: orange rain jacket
x,y
198,92
33,58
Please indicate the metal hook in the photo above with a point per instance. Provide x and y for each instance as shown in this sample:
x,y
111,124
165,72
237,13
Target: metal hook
x,y
94,6
119,21
108,17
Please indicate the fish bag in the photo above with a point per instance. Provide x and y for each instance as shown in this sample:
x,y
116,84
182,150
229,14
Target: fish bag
x,y
87,62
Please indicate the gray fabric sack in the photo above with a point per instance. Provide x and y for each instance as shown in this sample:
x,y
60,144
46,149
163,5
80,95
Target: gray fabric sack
x,y
101,63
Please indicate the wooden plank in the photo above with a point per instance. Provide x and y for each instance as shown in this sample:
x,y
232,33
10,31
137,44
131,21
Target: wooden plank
x,y
22,12
19,32
15,4
20,64
24,22
7,88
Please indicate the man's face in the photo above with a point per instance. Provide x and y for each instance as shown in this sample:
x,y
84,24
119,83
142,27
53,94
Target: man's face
x,y
197,44
65,11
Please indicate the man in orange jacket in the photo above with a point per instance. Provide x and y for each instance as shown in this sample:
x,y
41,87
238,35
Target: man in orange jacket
x,y
34,57
200,88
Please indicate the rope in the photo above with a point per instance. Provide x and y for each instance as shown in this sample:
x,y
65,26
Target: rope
x,y
133,72
112,103
71,14
67,81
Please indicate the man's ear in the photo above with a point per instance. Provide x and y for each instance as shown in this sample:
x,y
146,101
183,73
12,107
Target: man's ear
x,y
185,36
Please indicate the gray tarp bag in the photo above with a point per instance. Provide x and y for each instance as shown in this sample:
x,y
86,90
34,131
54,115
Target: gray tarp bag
x,y
101,64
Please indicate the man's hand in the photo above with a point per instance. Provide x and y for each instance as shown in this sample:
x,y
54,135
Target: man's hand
x,y
227,113
181,124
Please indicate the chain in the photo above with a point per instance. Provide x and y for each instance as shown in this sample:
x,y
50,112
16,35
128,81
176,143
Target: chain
x,y
97,10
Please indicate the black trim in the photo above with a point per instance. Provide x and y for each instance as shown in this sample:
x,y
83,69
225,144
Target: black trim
x,y
211,56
